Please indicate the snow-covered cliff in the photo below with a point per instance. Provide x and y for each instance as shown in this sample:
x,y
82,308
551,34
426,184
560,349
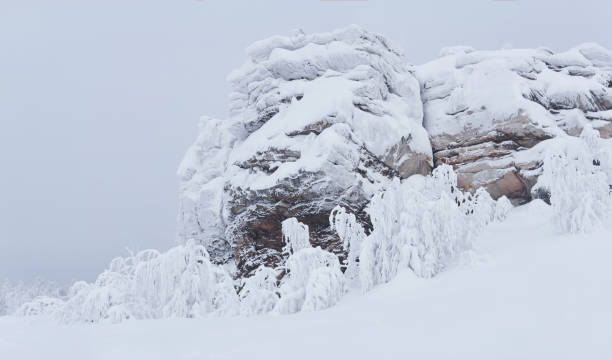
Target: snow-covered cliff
x,y
317,120
331,119
483,107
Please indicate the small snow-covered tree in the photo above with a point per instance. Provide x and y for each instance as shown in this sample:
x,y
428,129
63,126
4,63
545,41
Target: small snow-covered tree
x,y
575,175
484,207
297,287
417,224
259,293
41,305
421,223
181,282
324,289
314,280
351,234
502,208
295,235
13,295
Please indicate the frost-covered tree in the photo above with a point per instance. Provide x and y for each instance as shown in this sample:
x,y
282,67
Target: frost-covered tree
x,y
576,176
314,280
298,289
324,289
15,294
40,305
295,235
417,224
502,208
351,234
259,293
421,223
181,282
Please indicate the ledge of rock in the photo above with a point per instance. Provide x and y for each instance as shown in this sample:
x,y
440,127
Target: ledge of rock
x,y
481,108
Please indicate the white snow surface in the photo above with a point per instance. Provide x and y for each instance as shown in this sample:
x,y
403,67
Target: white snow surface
x,y
526,292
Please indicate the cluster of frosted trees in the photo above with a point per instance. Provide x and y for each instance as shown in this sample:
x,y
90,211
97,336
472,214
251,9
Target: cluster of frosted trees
x,y
578,176
422,224
13,295
313,278
181,282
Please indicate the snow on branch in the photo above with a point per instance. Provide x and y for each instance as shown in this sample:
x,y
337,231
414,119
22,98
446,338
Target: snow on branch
x,y
351,234
421,223
181,282
259,294
578,176
295,235
314,280
29,299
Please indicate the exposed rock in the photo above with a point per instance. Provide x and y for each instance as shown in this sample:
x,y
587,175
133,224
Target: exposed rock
x,y
483,107
323,120
602,121
330,119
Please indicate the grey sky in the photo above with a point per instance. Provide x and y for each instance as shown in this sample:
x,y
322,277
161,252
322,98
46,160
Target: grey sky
x,y
99,100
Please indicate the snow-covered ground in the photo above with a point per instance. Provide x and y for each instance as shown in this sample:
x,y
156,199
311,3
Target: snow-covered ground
x,y
527,293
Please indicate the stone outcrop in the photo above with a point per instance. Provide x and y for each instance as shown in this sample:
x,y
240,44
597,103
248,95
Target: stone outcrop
x,y
330,119
317,121
483,107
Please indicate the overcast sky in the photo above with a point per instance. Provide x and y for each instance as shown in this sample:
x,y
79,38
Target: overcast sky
x,y
100,99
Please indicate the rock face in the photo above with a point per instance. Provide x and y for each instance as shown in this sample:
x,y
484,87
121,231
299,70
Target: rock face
x,y
316,121
202,195
330,119
484,107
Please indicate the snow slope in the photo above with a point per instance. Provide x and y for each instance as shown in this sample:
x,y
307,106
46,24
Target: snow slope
x,y
527,292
